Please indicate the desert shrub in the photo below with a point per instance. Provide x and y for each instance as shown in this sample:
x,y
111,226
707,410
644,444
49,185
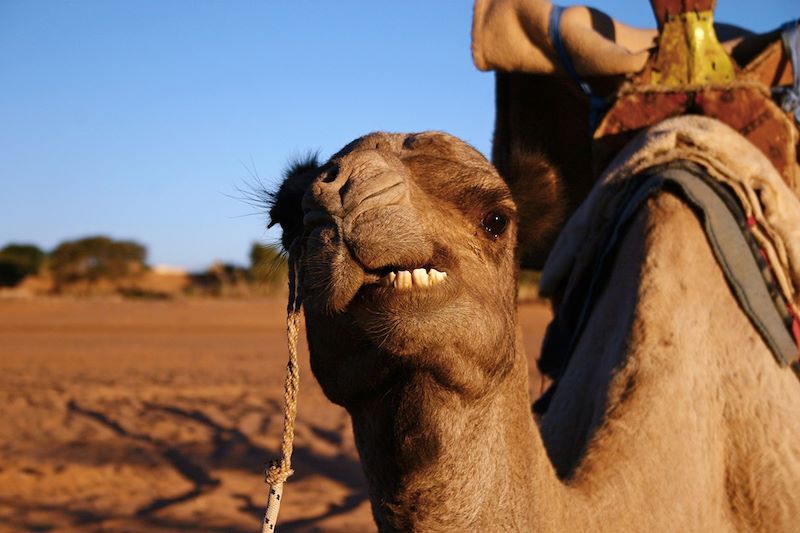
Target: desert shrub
x,y
530,277
528,289
267,265
95,258
138,293
220,280
18,261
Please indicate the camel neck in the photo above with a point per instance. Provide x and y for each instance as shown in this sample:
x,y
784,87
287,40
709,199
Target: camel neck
x,y
437,461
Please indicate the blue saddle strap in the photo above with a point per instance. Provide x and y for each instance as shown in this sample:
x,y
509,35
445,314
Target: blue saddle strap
x,y
789,97
597,104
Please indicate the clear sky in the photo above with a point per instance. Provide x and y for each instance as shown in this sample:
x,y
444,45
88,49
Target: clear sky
x,y
143,119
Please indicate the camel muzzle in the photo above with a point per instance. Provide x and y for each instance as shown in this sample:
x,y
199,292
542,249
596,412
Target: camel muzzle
x,y
367,198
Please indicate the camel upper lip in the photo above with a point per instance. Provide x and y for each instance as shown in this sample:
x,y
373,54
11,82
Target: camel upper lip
x,y
409,277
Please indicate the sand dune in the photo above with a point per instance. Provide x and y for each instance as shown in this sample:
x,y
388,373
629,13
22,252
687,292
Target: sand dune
x,y
159,416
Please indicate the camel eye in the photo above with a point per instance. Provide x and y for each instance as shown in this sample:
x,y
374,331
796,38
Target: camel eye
x,y
494,224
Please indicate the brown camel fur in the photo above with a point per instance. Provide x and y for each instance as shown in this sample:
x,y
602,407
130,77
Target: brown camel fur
x,y
672,415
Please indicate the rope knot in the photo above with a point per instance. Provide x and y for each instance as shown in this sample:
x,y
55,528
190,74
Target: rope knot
x,y
277,472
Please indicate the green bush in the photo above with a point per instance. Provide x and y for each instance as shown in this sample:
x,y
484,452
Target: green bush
x,y
530,277
528,289
18,261
267,265
94,258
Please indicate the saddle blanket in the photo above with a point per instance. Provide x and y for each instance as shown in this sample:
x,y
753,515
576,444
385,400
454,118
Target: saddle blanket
x,y
751,217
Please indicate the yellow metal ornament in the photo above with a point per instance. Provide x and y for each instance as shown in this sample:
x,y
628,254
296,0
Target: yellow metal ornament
x,y
689,52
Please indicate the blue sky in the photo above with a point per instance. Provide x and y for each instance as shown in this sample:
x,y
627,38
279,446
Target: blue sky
x,y
144,119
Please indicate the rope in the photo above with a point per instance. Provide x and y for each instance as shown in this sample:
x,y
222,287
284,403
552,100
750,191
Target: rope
x,y
280,469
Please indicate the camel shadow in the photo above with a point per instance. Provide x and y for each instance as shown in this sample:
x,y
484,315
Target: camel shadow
x,y
229,449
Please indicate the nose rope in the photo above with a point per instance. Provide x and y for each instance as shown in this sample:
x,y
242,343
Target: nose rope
x,y
281,469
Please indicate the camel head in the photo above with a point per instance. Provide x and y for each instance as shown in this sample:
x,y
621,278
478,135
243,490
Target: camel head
x,y
407,264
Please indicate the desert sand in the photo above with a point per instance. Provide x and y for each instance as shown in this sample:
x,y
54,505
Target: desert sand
x,y
160,416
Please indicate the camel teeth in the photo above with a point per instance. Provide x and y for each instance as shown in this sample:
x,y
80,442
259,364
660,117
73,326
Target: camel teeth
x,y
420,278
403,280
417,278
387,280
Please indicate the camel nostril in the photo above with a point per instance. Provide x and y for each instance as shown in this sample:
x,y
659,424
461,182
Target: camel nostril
x,y
331,175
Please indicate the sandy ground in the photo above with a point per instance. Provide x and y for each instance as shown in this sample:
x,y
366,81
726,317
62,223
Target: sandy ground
x,y
159,416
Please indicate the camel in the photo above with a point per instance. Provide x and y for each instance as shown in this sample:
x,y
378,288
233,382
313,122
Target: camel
x,y
672,415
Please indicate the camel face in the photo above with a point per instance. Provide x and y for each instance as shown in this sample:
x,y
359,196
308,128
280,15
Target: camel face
x,y
408,241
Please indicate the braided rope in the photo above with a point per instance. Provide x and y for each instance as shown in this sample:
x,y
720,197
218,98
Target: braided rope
x,y
280,469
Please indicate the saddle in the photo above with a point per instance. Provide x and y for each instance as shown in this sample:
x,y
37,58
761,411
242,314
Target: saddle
x,y
749,81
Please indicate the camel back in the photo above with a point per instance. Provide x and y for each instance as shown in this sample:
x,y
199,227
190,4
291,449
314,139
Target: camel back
x,y
686,71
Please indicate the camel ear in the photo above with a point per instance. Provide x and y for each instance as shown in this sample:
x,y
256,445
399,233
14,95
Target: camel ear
x,y
285,203
541,205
